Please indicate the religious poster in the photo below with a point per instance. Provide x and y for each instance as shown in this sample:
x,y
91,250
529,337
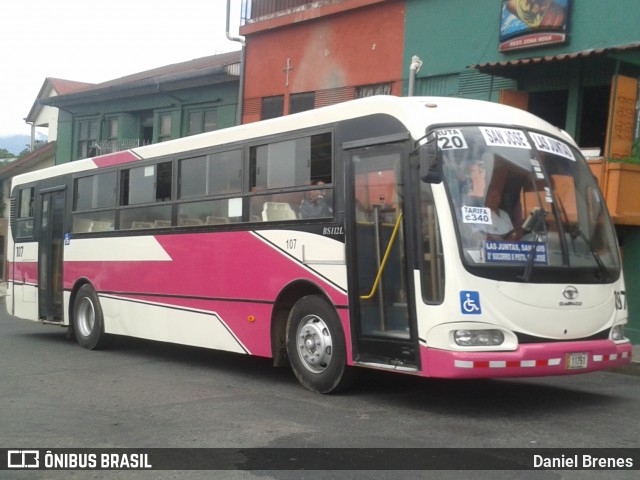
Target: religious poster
x,y
533,23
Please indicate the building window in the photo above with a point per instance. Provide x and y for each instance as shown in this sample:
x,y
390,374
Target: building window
x,y
301,102
164,121
272,107
112,126
371,90
87,138
201,121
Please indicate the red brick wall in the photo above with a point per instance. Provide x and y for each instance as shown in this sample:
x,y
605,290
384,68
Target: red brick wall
x,y
357,47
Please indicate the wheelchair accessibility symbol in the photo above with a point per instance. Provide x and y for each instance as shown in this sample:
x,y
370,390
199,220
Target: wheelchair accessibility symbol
x,y
470,303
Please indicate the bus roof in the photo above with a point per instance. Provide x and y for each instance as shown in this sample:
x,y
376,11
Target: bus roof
x,y
416,113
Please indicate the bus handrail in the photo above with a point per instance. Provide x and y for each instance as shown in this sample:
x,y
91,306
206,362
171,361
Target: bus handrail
x,y
384,260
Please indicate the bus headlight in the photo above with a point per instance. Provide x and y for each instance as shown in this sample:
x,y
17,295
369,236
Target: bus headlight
x,y
617,333
478,338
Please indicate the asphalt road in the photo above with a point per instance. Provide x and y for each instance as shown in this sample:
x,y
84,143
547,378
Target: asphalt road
x,y
141,394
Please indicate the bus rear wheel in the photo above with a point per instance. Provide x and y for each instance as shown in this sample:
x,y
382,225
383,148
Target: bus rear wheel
x,y
316,346
88,323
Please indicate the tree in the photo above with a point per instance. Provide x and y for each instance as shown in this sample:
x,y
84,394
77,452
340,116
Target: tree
x,y
4,154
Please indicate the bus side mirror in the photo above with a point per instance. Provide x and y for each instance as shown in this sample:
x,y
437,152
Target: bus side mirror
x,y
430,161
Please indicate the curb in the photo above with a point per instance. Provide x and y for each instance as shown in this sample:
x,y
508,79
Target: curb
x,y
634,367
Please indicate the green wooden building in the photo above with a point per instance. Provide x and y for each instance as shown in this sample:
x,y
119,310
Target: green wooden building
x,y
148,107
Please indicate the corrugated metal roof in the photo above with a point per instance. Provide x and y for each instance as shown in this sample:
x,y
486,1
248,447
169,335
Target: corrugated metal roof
x,y
554,58
63,87
52,87
24,164
196,65
223,67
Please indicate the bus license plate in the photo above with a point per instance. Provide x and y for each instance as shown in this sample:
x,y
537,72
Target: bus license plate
x,y
577,361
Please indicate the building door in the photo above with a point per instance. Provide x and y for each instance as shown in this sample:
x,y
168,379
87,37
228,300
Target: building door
x,y
50,254
382,328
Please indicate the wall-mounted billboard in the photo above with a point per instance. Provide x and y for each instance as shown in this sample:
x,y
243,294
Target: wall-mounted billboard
x,y
533,23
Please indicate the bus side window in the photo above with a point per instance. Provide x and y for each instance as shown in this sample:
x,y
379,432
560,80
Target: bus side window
x,y
24,220
282,175
94,201
148,184
210,212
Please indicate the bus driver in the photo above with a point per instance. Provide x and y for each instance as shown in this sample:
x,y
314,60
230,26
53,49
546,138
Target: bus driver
x,y
500,220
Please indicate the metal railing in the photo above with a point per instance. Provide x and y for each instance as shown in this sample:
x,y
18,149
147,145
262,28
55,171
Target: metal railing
x,y
112,146
254,9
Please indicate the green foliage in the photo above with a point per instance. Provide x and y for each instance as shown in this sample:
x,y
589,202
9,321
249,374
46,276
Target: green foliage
x,y
24,152
4,153
635,149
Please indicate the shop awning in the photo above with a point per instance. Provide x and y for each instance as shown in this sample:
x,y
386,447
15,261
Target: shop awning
x,y
629,53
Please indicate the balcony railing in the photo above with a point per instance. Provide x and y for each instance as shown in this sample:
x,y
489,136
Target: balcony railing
x,y
255,9
104,147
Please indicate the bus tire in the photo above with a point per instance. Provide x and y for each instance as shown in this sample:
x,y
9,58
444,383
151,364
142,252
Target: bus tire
x,y
88,322
316,346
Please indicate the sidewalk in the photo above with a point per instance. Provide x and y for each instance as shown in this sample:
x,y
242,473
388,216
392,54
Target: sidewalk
x,y
634,367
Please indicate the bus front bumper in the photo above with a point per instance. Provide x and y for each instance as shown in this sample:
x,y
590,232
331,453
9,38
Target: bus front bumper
x,y
529,360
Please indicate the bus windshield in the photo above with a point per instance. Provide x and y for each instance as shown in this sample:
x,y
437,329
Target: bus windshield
x,y
526,206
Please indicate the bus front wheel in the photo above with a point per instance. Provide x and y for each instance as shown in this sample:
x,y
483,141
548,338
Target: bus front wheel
x,y
88,323
316,346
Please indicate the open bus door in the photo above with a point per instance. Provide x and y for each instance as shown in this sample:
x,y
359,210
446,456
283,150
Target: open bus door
x,y
50,255
383,328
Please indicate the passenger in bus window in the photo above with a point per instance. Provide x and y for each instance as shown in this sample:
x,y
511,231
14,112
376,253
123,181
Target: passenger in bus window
x,y
315,205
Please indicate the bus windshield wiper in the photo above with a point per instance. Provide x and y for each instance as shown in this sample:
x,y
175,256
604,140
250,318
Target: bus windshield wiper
x,y
575,231
534,223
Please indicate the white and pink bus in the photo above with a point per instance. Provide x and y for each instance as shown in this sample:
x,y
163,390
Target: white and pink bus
x,y
436,237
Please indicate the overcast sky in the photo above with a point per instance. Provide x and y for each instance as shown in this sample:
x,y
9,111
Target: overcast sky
x,y
91,41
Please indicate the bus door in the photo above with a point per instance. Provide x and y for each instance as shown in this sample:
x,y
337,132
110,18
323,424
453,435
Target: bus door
x,y
383,331
50,253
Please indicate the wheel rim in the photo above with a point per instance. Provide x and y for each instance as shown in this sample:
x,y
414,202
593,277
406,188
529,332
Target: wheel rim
x,y
86,317
314,342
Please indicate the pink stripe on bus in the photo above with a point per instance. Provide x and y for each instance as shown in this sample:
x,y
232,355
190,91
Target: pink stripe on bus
x,y
234,274
117,158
